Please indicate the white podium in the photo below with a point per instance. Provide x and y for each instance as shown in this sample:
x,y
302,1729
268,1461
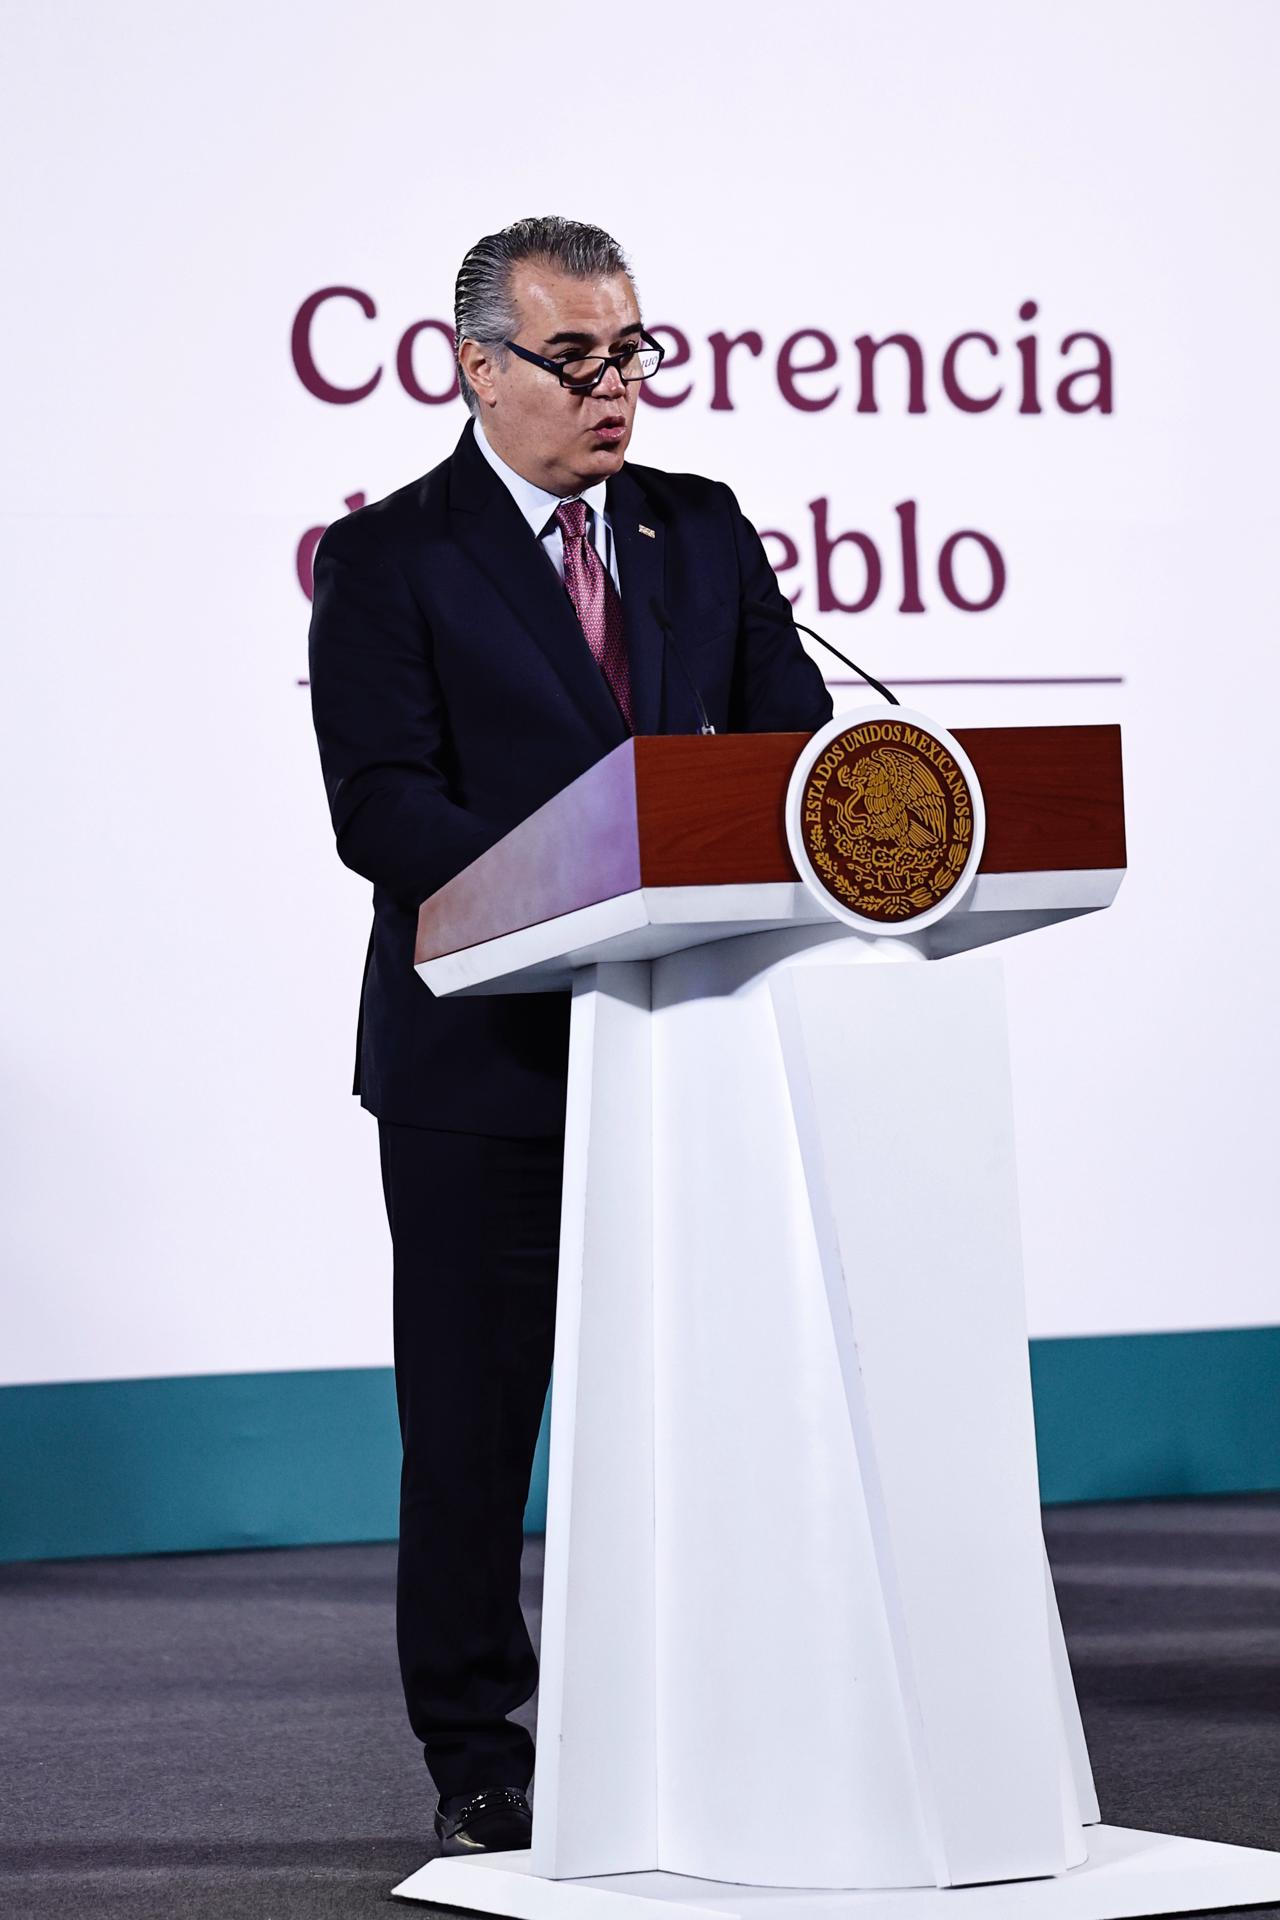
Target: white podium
x,y
800,1646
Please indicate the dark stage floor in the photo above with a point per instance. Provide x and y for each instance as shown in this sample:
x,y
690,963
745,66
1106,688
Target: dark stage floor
x,y
223,1734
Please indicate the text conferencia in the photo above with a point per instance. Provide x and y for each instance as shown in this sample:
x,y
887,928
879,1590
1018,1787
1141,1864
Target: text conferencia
x,y
973,372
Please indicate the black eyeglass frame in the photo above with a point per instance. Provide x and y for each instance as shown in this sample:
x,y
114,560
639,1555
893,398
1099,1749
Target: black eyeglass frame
x,y
605,359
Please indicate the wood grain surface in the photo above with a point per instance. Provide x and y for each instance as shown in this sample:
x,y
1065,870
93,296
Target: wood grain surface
x,y
680,810
1055,797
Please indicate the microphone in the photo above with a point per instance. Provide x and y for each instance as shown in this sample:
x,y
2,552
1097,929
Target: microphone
x,y
765,606
660,615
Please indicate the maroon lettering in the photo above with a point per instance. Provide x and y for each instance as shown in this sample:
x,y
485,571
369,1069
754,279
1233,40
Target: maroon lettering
x,y
303,358
956,394
790,370
405,368
947,573
1027,354
910,601
825,546
678,355
1101,371
867,351
721,347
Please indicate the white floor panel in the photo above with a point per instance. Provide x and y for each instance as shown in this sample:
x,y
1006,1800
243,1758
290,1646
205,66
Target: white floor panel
x,y
1128,1874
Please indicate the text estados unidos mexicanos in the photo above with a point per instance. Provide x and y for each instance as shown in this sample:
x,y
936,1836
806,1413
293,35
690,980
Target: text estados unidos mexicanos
x,y
891,733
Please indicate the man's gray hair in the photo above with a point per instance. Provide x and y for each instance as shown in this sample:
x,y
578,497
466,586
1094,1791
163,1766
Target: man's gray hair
x,y
483,309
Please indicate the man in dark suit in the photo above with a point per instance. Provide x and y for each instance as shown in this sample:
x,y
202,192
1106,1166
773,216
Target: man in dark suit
x,y
478,639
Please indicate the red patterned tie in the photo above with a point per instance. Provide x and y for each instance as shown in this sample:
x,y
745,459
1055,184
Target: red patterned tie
x,y
596,602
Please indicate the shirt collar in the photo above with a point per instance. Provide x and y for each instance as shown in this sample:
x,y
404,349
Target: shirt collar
x,y
535,503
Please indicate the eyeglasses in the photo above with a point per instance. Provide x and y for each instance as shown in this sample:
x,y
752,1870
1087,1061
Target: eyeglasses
x,y
582,373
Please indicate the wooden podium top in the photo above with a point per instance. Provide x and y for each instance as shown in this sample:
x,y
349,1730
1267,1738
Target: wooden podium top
x,y
695,811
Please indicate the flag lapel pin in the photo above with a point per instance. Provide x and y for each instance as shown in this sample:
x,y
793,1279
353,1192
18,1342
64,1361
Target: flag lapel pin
x,y
648,530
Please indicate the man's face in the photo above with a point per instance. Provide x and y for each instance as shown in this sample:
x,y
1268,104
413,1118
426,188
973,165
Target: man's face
x,y
562,441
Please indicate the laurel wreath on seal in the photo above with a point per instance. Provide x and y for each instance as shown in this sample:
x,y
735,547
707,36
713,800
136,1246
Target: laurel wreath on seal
x,y
897,905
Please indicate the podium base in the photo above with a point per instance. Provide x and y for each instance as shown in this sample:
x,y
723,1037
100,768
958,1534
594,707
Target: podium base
x,y
1128,1873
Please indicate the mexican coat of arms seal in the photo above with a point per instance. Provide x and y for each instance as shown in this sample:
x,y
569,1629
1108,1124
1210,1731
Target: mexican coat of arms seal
x,y
884,815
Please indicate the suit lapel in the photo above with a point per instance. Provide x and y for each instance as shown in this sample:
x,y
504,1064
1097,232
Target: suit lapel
x,y
639,541
489,526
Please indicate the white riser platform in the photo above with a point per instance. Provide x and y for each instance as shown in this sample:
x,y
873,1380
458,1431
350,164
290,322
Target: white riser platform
x,y
1128,1874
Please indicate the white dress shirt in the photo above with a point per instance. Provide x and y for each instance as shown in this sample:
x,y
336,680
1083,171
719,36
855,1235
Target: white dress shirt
x,y
539,509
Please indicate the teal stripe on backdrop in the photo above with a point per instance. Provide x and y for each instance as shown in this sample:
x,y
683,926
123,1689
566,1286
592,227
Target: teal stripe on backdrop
x,y
283,1459
1158,1414
178,1465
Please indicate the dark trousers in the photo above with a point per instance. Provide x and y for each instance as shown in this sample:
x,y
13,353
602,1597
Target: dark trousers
x,y
475,1223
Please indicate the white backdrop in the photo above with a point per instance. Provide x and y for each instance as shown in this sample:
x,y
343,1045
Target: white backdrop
x,y
187,1185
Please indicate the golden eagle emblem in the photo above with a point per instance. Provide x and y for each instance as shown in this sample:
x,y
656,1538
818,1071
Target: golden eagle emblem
x,y
895,797
887,819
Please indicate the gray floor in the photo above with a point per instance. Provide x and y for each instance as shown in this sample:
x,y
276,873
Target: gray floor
x,y
223,1734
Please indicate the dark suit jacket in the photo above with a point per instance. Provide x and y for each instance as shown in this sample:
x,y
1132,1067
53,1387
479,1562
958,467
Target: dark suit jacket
x,y
453,693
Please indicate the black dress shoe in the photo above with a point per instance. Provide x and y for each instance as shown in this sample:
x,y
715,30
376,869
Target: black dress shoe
x,y
495,1820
